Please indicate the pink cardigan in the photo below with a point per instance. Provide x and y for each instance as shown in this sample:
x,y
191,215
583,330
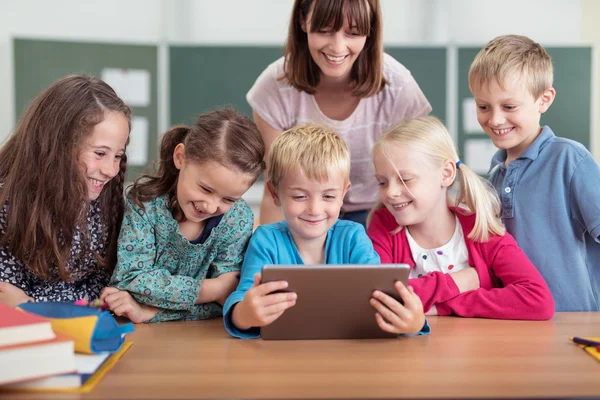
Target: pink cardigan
x,y
510,285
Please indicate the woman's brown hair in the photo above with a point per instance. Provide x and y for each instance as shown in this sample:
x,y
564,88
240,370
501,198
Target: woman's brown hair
x,y
302,72
42,186
224,136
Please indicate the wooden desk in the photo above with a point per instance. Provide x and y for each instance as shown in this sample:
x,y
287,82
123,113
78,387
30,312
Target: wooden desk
x,y
461,358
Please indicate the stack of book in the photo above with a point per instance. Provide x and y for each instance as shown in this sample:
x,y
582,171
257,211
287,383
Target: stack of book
x,y
86,366
35,357
30,349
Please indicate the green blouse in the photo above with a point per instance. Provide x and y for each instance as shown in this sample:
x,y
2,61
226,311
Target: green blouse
x,y
161,268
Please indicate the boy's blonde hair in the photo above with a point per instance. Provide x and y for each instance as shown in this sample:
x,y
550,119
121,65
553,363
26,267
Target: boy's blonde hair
x,y
430,137
513,54
315,150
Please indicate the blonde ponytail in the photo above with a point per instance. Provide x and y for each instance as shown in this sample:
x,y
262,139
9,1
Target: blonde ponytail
x,y
479,197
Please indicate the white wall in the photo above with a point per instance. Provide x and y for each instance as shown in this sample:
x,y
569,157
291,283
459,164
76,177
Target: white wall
x,y
405,21
245,22
108,20
265,22
545,21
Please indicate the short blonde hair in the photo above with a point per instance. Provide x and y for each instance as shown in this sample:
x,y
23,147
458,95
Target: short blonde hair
x,y
430,137
315,150
513,54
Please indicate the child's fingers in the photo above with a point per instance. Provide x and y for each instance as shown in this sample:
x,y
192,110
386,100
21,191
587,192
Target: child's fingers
x,y
411,300
115,305
392,304
269,314
279,307
265,288
260,304
274,317
122,310
110,299
387,313
386,326
256,280
114,298
276,298
106,291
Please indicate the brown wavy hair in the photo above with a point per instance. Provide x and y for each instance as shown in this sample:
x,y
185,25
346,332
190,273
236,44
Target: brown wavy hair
x,y
224,136
300,69
46,193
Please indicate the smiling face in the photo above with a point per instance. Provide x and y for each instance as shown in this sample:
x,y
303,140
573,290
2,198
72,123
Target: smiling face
x,y
310,207
335,52
411,186
101,152
510,115
208,189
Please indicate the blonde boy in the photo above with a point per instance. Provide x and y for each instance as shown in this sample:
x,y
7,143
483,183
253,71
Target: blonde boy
x,y
308,176
549,187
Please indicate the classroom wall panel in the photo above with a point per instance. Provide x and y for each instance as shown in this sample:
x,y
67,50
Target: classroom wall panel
x,y
428,67
205,77
202,78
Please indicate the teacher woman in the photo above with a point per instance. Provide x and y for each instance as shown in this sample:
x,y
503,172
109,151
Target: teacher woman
x,y
334,73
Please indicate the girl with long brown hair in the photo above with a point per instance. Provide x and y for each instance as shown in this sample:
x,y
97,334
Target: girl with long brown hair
x,y
61,175
186,229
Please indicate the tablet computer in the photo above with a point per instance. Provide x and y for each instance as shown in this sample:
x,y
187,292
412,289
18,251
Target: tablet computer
x,y
333,300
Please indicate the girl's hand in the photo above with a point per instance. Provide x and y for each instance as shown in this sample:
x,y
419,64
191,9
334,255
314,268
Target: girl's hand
x,y
228,282
466,279
122,304
12,295
396,318
261,306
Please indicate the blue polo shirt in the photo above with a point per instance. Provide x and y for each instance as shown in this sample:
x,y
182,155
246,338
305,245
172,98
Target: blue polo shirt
x,y
550,199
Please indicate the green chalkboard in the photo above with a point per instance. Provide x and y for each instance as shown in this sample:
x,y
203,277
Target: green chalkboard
x,y
428,67
202,78
206,77
570,114
38,63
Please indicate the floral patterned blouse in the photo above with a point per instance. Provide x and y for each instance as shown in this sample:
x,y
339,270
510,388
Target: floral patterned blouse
x,y
159,267
87,278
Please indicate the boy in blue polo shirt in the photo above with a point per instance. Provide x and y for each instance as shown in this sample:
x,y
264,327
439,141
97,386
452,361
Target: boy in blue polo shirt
x,y
308,175
549,186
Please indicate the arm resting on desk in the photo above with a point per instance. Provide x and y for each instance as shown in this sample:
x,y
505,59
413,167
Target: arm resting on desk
x,y
523,293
